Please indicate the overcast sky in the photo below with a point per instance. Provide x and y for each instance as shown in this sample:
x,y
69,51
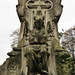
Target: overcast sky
x,y
9,22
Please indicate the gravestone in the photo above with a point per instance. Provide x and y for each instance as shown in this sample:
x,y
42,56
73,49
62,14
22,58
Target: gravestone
x,y
38,39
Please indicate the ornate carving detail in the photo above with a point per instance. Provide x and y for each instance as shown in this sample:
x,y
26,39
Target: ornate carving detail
x,y
37,41
37,37
26,27
37,57
43,4
39,12
38,34
39,24
49,27
12,66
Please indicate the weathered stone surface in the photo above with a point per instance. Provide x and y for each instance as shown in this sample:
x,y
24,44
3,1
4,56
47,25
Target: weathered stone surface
x,y
38,39
10,67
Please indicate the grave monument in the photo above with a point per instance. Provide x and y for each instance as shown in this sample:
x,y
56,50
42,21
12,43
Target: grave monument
x,y
38,39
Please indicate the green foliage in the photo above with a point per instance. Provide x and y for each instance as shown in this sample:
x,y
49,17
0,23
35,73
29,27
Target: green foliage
x,y
64,63
60,34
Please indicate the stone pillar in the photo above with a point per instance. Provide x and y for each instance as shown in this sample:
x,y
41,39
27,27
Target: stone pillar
x,y
38,35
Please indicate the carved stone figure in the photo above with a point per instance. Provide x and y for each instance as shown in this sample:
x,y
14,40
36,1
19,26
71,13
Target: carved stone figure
x,y
36,59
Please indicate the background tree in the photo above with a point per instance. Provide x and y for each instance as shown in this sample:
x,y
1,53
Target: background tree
x,y
15,37
68,43
68,40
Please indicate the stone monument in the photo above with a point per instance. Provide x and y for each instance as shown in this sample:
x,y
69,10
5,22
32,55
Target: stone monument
x,y
38,39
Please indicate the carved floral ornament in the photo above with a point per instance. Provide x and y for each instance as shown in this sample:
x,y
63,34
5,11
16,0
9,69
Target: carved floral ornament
x,y
39,4
12,66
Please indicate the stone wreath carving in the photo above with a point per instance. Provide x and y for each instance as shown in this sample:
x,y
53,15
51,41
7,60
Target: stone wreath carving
x,y
12,66
43,4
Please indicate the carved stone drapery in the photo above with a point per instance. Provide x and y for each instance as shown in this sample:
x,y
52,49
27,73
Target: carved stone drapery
x,y
37,57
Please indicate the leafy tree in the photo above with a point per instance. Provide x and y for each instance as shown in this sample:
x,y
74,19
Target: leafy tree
x,y
65,62
68,40
60,34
